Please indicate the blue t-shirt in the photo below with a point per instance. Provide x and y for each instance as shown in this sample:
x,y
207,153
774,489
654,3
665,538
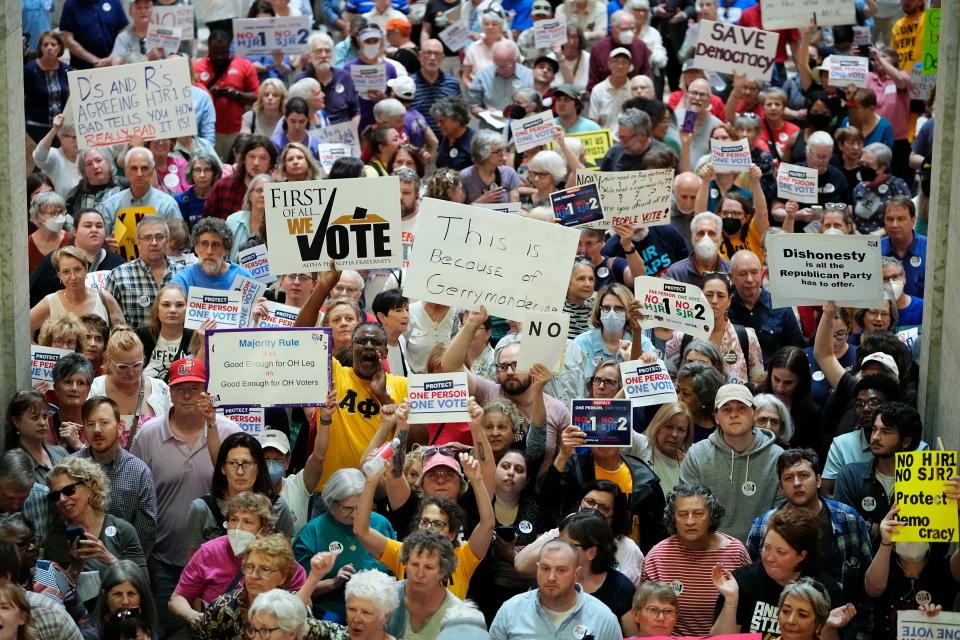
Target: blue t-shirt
x,y
912,315
193,276
94,25
191,207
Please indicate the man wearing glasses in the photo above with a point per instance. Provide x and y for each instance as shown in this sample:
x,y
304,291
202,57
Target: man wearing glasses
x,y
141,197
212,241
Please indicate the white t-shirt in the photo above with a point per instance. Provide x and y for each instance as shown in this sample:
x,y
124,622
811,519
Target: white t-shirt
x,y
396,358
298,499
163,354
423,335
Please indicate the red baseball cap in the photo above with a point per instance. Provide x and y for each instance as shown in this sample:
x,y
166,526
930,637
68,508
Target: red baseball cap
x,y
187,370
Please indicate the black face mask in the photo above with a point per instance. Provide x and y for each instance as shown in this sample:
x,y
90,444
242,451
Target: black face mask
x,y
819,120
732,225
516,112
867,174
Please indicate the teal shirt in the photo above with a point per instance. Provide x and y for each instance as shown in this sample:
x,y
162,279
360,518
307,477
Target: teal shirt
x,y
582,125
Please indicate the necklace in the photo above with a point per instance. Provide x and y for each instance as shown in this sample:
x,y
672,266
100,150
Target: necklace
x,y
348,534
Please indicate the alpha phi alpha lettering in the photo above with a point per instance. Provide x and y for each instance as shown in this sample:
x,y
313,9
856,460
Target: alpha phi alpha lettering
x,y
371,235
367,407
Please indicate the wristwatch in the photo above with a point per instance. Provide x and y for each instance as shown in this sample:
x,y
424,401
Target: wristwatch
x,y
633,249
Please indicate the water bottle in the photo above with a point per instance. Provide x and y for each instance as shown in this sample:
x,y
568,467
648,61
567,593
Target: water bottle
x,y
375,464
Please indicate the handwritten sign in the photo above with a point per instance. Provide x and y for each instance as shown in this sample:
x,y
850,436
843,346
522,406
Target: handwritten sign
x,y
221,306
797,183
913,624
595,146
330,153
607,423
674,305
42,361
369,77
250,292
279,315
257,261
543,340
438,397
249,419
355,222
846,70
577,205
728,48
646,384
274,367
640,198
533,131
549,32
344,133
178,16
730,155
513,208
263,36
786,14
931,41
808,268
165,38
125,229
926,514
467,257
148,100
922,85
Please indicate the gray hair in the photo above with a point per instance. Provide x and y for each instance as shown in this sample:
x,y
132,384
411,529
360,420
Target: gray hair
x,y
430,542
685,490
747,121
103,152
813,592
636,120
344,483
375,587
141,150
43,200
152,220
483,144
707,348
71,364
302,88
211,160
317,37
452,107
215,226
618,14
408,175
16,469
551,162
254,181
707,215
507,408
706,382
820,139
891,261
501,45
288,609
787,427
880,152
388,108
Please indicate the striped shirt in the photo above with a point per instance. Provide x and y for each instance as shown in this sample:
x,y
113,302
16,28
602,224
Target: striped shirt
x,y
429,92
579,317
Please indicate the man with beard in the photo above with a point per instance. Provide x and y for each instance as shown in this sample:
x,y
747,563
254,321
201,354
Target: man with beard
x,y
233,82
340,96
685,188
212,241
258,155
139,167
707,229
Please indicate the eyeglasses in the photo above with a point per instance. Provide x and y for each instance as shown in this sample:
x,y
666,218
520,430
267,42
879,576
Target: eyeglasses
x,y
607,309
350,291
730,213
432,54
250,569
443,473
436,525
235,466
158,238
76,272
302,277
871,402
347,511
68,491
372,341
124,614
605,382
259,632
839,206
590,503
503,367
207,244
655,612
123,367
698,94
538,174
840,335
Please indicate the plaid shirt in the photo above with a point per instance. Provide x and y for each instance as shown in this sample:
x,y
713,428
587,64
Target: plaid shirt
x,y
226,196
51,620
35,510
133,286
132,494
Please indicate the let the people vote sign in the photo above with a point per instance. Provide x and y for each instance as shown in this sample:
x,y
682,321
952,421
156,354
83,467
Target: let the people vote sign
x,y
673,305
728,48
543,341
797,183
263,36
844,70
913,624
354,222
786,14
646,384
42,362
638,198
149,100
578,205
730,156
533,131
438,397
223,307
808,268
271,367
607,423
926,513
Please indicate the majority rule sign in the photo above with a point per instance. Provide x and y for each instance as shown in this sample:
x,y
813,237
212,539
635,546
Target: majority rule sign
x,y
673,305
438,397
354,222
786,14
926,513
640,198
808,268
731,49
273,367
469,257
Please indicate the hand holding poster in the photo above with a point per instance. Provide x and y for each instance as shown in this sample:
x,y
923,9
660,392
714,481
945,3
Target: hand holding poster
x,y
369,77
730,155
256,261
250,292
639,198
797,183
165,38
533,131
647,384
673,305
223,307
274,367
263,36
279,315
577,205
607,423
926,513
595,146
544,340
344,133
787,14
846,70
455,32
913,624
808,268
438,397
731,49
549,32
42,362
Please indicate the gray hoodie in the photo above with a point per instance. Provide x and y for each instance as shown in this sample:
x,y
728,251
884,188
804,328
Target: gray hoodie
x,y
732,476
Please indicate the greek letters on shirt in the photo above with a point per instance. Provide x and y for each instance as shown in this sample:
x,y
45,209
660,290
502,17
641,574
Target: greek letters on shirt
x,y
367,407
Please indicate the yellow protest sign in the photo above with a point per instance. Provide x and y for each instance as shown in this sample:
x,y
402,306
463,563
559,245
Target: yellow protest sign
x,y
125,229
595,146
926,514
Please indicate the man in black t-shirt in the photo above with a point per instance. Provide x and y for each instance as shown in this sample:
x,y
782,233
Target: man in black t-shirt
x,y
659,247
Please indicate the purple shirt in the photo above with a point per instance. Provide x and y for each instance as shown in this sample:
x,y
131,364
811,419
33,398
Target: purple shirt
x,y
415,126
366,106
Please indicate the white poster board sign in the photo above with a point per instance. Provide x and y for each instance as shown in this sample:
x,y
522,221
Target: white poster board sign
x,y
330,153
640,198
544,339
42,361
178,16
166,38
787,14
344,133
674,305
535,130
846,70
438,397
249,419
250,292
549,32
913,624
730,155
221,306
369,77
257,261
263,36
514,208
797,183
456,36
728,48
97,280
279,315
646,384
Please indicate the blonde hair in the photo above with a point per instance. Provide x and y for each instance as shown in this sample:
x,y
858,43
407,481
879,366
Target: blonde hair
x,y
255,503
15,594
68,325
277,548
313,169
69,252
615,289
123,339
92,476
663,415
340,302
266,84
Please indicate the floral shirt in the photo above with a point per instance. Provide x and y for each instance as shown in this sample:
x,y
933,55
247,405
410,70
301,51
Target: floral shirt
x,y
226,618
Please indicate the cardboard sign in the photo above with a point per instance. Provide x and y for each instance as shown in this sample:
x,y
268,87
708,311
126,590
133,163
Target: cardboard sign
x,y
549,32
913,624
787,14
533,131
273,367
607,423
250,292
731,49
931,41
922,85
147,99
355,222
249,419
646,384
369,77
467,257
97,280
797,183
344,133
178,16
730,156
263,36
257,261
846,70
165,38
330,153
513,208
640,198
544,340
577,205
222,306
125,229
438,397
926,514
279,315
808,268
674,305
42,361
595,146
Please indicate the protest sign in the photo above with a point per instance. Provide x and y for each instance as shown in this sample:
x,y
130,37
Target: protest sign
x,y
42,360
125,229
730,155
595,146
263,36
922,85
640,198
931,41
926,514
256,261
797,183
221,306
607,423
466,257
165,38
862,37
344,133
249,419
330,153
673,305
148,100
646,384
549,32
279,315
514,208
97,280
456,36
355,222
808,268
174,17
543,340
369,77
438,397
250,292
533,131
913,624
787,14
273,367
728,48
577,205
844,70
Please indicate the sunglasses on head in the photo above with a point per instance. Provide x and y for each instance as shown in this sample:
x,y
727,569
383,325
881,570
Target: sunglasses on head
x,y
446,450
69,490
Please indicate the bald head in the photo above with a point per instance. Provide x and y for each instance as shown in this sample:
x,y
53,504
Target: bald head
x,y
685,188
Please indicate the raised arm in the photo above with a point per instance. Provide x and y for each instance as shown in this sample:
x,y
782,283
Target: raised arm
x,y
707,174
373,541
823,346
311,310
726,584
481,446
455,358
320,565
313,467
875,579
482,534
761,216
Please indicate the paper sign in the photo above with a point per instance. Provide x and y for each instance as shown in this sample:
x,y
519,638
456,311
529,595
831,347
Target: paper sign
x,y
797,183
166,38
786,14
344,133
544,340
42,361
640,198
456,36
913,624
369,77
222,306
250,292
97,280
730,155
279,315
607,423
926,514
577,205
922,85
125,229
438,397
595,146
731,49
674,305
256,261
846,70
549,32
466,257
931,41
330,153
533,131
147,99
647,384
514,208
862,37
249,419
274,367
263,36
174,17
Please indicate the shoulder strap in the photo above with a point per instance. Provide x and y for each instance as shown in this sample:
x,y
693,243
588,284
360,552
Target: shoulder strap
x,y
773,141
684,342
211,503
744,341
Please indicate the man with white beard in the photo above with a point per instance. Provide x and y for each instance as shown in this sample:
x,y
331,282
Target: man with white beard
x,y
706,232
685,187
341,96
212,241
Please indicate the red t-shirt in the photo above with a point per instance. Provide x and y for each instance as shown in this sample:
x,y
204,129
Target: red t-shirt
x,y
751,18
717,106
240,75
782,134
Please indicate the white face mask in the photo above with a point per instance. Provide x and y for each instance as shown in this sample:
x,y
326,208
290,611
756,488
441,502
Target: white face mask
x,y
371,51
835,232
706,248
912,551
55,223
895,288
626,37
239,540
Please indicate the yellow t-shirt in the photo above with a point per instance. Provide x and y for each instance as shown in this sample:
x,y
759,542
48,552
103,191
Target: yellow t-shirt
x,y
621,477
907,39
729,246
466,564
358,419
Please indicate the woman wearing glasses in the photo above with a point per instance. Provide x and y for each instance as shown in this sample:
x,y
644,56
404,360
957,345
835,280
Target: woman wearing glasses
x,y
71,266
654,611
124,599
875,186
